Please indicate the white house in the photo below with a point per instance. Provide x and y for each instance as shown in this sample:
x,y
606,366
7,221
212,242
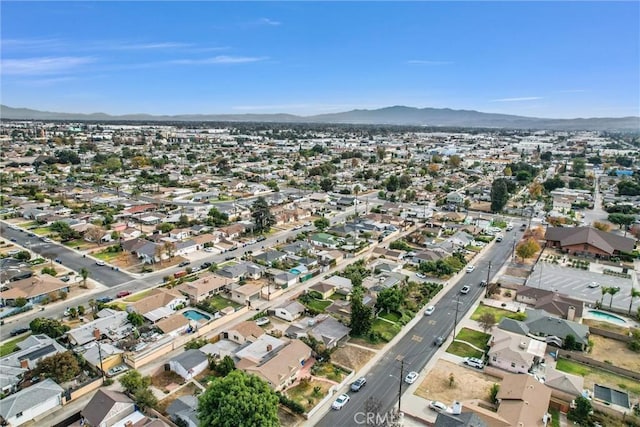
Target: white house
x,y
514,353
31,402
290,311
189,364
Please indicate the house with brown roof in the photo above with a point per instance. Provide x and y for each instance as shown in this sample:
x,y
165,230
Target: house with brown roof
x,y
523,401
588,241
246,294
231,231
160,303
552,302
174,324
282,369
203,288
243,332
34,289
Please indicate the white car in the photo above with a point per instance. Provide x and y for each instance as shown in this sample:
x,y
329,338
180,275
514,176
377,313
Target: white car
x,y
429,310
340,402
209,249
421,276
411,377
593,285
100,263
438,406
465,289
471,268
474,362
262,321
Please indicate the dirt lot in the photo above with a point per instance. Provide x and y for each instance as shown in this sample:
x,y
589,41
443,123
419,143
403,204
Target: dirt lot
x,y
188,389
468,383
352,357
615,352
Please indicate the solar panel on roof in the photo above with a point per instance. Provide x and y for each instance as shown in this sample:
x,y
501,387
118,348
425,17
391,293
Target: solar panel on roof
x,y
610,395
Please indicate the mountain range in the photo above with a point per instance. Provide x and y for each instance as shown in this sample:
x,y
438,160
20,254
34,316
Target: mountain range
x,y
396,115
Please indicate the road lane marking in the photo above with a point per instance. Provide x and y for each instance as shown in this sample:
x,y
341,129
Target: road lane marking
x,y
417,338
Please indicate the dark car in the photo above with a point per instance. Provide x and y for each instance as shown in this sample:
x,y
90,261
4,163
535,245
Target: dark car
x,y
123,294
229,258
261,238
65,278
438,341
205,265
184,263
19,331
104,300
358,384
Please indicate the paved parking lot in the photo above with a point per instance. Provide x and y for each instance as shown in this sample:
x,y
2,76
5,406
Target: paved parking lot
x,y
573,282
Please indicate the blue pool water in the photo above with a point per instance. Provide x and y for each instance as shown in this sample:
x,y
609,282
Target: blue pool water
x,y
607,316
195,315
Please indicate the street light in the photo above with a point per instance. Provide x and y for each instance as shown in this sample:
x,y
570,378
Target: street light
x,y
400,380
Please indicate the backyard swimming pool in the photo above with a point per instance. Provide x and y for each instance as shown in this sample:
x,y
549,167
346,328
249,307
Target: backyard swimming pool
x,y
607,316
195,315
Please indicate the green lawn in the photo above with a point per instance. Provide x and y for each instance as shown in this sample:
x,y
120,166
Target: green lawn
x,y
107,256
599,376
318,304
497,312
217,302
463,350
392,316
555,417
77,242
138,296
385,329
477,338
307,394
10,346
337,297
41,231
329,371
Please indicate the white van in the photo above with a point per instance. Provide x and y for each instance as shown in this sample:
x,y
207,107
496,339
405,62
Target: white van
x,y
474,362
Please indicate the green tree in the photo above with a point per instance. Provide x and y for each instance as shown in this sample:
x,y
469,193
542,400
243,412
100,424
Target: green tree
x,y
361,315
60,367
238,400
455,161
578,166
262,216
113,164
605,291
85,275
145,398
133,381
487,321
136,319
493,393
499,195
51,327
404,181
527,248
216,218
635,293
582,411
23,256
225,366
392,183
390,299
165,227
326,184
21,302
322,223
612,291
622,220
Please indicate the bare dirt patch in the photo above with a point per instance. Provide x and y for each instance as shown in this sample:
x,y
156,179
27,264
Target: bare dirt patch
x,y
616,352
352,357
166,378
468,383
517,272
188,389
288,419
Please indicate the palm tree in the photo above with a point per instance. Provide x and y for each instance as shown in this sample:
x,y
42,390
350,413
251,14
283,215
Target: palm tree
x,y
356,190
635,293
85,274
604,290
612,292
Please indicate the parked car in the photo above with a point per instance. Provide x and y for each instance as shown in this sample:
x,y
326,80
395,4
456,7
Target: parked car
x,y
429,310
262,321
19,331
499,239
209,249
340,402
116,370
184,263
471,268
483,283
358,384
122,294
65,278
438,406
421,276
261,238
100,263
411,377
104,300
474,362
465,289
205,265
593,285
438,341
229,258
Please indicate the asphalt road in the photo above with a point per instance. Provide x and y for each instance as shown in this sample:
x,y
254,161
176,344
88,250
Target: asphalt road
x,y
417,347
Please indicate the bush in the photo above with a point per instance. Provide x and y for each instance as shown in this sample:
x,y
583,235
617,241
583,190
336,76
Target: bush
x,y
291,404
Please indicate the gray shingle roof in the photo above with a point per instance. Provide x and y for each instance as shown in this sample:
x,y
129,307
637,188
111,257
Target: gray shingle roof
x,y
190,358
28,397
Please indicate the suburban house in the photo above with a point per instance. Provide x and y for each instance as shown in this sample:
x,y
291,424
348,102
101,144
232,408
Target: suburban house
x,y
183,410
269,257
553,303
243,332
247,270
514,353
106,408
339,282
175,324
189,364
324,289
290,310
33,289
160,303
455,198
202,288
30,352
110,323
246,294
324,240
464,419
587,241
110,355
325,329
282,369
258,351
30,403
555,330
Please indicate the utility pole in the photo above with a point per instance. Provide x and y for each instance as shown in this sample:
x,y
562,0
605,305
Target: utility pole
x,y
401,380
455,323
486,292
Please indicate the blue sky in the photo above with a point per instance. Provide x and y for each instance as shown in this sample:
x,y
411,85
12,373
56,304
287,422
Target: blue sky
x,y
543,59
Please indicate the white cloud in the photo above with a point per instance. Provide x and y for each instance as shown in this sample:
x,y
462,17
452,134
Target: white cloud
x,y
426,62
160,45
44,65
220,59
268,21
523,98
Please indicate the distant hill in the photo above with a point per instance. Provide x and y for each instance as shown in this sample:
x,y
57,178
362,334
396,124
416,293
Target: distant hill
x,y
397,115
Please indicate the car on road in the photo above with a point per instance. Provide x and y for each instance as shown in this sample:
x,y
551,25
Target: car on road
x,y
438,341
438,406
184,263
205,265
421,276
122,294
411,377
499,239
509,227
262,321
252,242
100,263
229,258
483,283
358,384
471,268
429,311
465,289
307,224
58,260
104,300
46,240
261,238
13,239
18,331
474,362
593,285
298,227
340,402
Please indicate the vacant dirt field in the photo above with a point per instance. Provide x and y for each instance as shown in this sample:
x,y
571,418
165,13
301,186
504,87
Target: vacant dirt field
x,y
352,357
615,352
468,383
